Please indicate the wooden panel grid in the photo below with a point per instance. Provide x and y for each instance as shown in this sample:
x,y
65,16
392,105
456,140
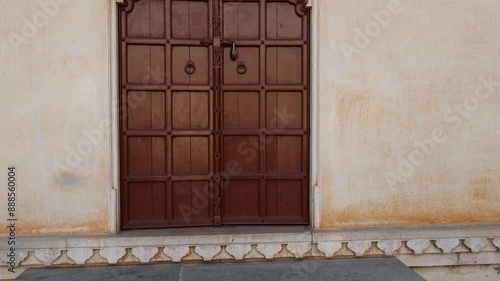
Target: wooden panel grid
x,y
206,139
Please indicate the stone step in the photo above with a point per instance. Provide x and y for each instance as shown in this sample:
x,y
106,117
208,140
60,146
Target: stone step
x,y
373,269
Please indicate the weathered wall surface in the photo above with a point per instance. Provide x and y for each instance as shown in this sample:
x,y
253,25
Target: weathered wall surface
x,y
460,273
408,115
54,90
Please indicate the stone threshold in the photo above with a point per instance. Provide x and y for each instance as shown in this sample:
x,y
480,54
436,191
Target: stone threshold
x,y
414,246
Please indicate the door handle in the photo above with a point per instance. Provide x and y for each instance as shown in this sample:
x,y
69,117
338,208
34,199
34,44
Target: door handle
x,y
241,68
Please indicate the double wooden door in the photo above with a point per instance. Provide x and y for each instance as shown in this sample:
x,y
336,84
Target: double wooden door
x,y
214,112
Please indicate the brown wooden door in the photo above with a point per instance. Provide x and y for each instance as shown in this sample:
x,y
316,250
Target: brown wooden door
x,y
210,139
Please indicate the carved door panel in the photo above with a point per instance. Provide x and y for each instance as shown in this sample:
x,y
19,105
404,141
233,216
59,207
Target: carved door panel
x,y
207,140
265,104
166,121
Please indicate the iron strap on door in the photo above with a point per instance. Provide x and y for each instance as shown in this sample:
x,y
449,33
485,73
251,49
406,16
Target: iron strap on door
x,y
214,112
216,41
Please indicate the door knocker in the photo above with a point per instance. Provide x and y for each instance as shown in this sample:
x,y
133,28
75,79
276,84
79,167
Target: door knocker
x,y
241,68
190,68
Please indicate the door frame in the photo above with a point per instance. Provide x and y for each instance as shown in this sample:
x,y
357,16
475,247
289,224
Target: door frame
x,y
114,111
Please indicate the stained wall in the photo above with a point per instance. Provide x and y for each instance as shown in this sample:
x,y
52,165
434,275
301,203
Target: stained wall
x,y
408,116
55,112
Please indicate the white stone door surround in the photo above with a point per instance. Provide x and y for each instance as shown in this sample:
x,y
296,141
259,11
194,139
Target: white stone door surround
x,y
314,192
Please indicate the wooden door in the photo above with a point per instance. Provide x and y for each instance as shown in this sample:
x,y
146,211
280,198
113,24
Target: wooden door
x,y
210,138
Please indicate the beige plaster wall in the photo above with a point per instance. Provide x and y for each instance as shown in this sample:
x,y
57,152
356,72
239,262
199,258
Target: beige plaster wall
x,y
417,79
408,121
54,112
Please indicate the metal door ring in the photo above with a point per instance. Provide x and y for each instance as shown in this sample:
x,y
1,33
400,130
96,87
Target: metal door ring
x,y
190,67
241,68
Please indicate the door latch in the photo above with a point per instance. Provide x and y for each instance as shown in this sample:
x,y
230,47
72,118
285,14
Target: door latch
x,y
206,42
233,53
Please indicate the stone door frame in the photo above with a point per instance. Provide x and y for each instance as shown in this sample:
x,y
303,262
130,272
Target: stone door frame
x,y
314,191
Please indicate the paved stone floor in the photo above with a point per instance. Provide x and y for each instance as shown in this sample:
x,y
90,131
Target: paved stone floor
x,y
342,270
